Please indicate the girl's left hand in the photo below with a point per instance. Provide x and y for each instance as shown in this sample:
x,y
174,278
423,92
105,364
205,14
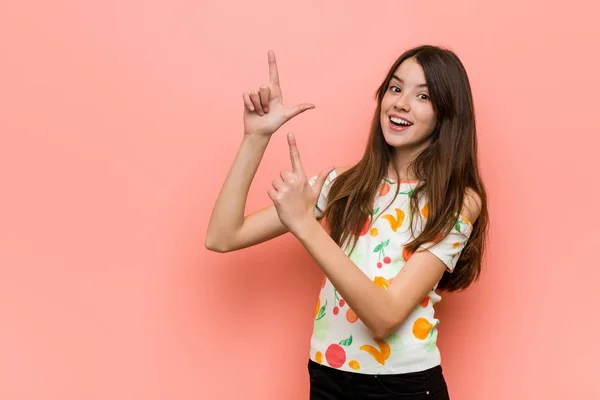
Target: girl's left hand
x,y
293,197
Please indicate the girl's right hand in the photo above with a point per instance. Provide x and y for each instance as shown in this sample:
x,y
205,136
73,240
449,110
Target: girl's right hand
x,y
264,111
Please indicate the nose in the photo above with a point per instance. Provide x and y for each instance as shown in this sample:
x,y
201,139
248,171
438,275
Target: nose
x,y
402,102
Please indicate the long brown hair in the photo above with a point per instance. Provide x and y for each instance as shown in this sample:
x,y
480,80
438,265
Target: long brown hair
x,y
445,169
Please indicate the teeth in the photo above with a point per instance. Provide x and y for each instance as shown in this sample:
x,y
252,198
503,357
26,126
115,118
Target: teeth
x,y
400,121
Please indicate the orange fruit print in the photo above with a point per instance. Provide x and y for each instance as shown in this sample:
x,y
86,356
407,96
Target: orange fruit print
x,y
397,221
422,328
351,316
425,210
380,355
381,282
319,357
384,189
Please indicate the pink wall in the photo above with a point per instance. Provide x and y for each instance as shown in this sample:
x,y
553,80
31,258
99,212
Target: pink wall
x,y
119,120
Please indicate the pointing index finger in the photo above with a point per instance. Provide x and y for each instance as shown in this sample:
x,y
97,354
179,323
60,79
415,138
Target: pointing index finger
x,y
273,72
295,154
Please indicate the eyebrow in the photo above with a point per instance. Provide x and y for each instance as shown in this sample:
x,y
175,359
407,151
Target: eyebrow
x,y
422,85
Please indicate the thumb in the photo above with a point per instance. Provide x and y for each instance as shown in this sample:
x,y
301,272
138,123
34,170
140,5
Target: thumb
x,y
292,112
318,185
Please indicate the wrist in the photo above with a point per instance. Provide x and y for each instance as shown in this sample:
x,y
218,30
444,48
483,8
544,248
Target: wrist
x,y
256,140
306,229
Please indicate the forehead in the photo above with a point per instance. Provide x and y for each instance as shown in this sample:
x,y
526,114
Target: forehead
x,y
411,72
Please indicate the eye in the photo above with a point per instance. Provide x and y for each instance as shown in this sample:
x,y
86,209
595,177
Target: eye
x,y
423,96
395,89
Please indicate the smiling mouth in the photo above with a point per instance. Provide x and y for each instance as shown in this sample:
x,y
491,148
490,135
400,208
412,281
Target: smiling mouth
x,y
400,122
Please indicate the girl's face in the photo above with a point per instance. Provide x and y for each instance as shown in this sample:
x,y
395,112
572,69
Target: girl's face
x,y
407,116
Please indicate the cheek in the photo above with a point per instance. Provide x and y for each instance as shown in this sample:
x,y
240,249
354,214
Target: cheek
x,y
386,103
427,117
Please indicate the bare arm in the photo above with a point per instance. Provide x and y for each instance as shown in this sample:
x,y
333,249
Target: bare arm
x,y
264,113
229,229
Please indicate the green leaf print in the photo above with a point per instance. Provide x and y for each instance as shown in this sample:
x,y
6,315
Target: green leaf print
x,y
408,192
375,211
457,225
380,248
322,311
431,344
346,342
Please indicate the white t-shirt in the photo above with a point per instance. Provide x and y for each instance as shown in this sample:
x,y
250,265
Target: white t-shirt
x,y
340,340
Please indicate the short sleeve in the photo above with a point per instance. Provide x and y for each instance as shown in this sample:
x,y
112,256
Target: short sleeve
x,y
322,200
449,248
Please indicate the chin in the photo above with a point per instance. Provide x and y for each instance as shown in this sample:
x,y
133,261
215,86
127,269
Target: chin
x,y
404,143
396,140
398,144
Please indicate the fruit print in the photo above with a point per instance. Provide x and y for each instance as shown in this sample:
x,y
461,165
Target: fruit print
x,y
319,357
422,328
380,248
425,210
459,224
335,353
381,354
397,221
381,282
351,316
365,228
318,307
321,313
338,301
381,254
384,188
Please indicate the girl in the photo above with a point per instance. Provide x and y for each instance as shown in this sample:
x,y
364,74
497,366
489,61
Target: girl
x,y
409,218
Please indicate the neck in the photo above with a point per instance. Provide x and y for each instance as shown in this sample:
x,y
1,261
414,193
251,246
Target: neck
x,y
403,161
404,172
